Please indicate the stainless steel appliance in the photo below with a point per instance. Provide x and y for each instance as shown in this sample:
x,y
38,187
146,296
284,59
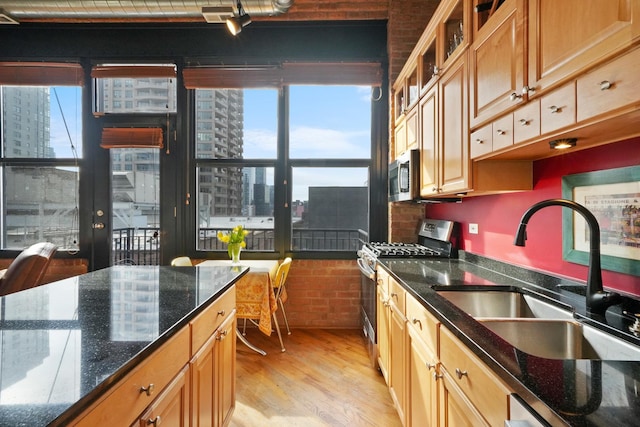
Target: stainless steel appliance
x,y
436,238
404,177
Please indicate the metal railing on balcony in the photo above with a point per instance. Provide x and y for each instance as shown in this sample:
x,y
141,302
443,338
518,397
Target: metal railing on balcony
x,y
141,246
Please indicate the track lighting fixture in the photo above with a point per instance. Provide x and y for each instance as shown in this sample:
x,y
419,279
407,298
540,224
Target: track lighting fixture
x,y
236,23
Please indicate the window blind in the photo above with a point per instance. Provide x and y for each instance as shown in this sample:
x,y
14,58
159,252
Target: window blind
x,y
132,138
41,74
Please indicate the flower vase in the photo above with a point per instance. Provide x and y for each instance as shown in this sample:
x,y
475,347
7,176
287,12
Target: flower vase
x,y
234,250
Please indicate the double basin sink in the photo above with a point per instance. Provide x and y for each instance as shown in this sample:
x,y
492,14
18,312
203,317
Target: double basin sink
x,y
539,328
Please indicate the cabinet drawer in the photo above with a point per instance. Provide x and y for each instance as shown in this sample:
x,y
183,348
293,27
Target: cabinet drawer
x,y
558,109
127,401
481,141
208,321
526,122
503,132
423,322
611,86
397,296
488,394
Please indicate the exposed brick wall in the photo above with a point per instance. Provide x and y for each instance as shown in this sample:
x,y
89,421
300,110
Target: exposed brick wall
x,y
405,219
323,294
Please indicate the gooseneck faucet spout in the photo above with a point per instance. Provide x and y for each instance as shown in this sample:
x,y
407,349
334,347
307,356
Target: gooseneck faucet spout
x,y
597,299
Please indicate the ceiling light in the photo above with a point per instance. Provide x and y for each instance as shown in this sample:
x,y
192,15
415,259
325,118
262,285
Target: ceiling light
x,y
563,144
236,23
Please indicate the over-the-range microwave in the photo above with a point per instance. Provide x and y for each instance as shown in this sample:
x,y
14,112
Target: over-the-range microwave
x,y
404,177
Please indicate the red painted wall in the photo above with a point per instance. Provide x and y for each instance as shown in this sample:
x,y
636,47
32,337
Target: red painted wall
x,y
498,216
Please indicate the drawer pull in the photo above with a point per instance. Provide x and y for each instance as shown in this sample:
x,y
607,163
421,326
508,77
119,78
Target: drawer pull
x,y
155,421
605,85
222,335
148,389
554,109
430,366
526,90
500,132
525,122
460,373
221,313
514,96
414,321
437,376
394,295
479,141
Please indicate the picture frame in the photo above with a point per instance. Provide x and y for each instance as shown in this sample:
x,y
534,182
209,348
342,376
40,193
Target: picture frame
x,y
613,196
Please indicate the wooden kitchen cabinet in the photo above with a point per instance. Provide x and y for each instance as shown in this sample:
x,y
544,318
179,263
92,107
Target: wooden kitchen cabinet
x,y
453,130
455,409
496,62
444,148
213,377
383,322
469,383
422,366
397,347
171,408
188,381
569,37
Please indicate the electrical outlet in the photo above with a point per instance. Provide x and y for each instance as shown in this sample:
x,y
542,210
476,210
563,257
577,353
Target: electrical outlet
x,y
473,228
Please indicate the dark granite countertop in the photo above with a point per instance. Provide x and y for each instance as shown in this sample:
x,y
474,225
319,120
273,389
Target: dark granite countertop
x,y
64,344
562,392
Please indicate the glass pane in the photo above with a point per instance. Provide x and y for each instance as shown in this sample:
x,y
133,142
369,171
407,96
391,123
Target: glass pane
x,y
40,204
135,183
135,95
330,206
236,123
330,122
235,196
41,122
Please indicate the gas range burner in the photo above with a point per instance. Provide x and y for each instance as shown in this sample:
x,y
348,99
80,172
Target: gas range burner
x,y
401,250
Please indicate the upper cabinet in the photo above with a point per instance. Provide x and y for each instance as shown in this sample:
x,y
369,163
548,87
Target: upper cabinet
x,y
523,50
497,60
571,36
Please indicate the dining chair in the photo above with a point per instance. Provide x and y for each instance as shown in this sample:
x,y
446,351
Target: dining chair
x,y
181,261
279,288
28,268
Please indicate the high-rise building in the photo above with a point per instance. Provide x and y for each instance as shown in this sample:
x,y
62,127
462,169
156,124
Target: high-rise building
x,y
26,122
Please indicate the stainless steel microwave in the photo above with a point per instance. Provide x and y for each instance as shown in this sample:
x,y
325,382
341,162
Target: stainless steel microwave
x,y
404,177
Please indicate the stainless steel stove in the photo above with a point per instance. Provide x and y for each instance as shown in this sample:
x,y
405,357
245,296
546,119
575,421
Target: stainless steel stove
x,y
436,239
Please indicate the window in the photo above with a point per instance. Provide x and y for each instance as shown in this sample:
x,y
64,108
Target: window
x,y
323,205
39,165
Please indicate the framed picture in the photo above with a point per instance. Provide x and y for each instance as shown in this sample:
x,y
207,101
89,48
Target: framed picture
x,y
613,196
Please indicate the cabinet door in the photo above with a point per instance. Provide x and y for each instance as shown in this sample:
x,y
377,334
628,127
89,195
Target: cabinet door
x,y
383,332
569,36
412,129
213,377
497,64
400,134
226,369
455,409
454,136
429,143
397,360
171,408
422,399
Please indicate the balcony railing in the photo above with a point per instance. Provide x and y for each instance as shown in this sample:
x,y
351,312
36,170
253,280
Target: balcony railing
x,y
141,246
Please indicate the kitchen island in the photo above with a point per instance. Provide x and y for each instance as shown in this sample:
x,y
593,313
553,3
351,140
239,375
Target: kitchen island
x,y
67,344
580,392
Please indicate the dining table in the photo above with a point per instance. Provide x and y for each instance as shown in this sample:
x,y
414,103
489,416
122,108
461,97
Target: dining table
x,y
255,296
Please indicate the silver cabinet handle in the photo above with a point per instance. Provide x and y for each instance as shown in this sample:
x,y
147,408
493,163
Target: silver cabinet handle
x,y
221,313
479,141
155,421
527,90
148,389
437,376
605,85
414,321
500,132
525,122
555,109
515,96
460,373
430,366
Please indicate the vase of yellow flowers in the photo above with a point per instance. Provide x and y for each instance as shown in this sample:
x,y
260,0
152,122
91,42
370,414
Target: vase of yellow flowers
x,y
235,242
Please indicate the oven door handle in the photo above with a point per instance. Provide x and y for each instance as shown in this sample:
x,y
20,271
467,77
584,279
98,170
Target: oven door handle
x,y
366,270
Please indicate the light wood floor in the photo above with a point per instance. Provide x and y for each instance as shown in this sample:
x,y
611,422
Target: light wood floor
x,y
323,379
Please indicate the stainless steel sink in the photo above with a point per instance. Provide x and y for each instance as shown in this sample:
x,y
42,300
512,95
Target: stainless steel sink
x,y
561,339
509,304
